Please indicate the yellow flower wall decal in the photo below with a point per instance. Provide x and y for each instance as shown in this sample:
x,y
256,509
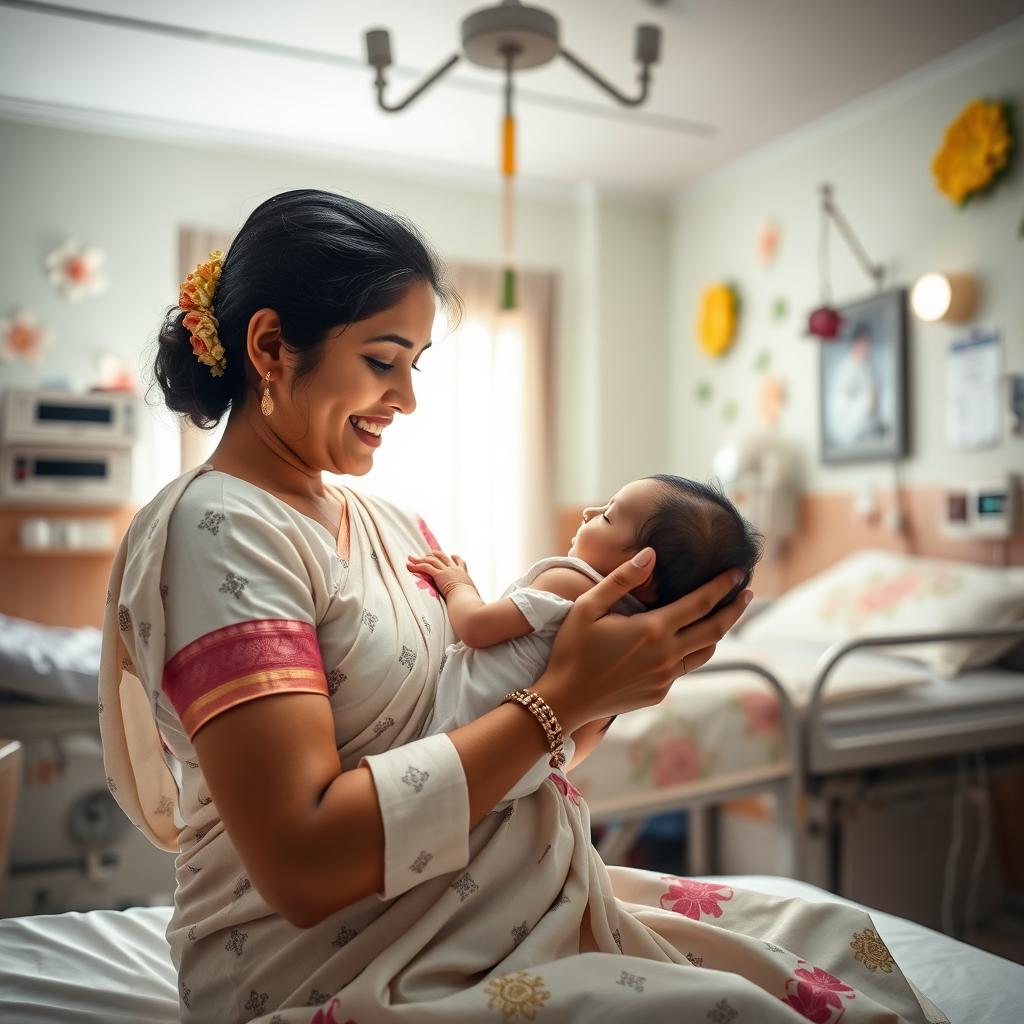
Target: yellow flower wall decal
x,y
976,150
716,319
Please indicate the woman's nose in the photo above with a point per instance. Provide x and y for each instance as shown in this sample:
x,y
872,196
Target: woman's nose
x,y
402,397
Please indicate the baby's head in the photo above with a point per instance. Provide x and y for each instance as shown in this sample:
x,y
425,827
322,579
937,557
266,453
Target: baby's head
x,y
695,530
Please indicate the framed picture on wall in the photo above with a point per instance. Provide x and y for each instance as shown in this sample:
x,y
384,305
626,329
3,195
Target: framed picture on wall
x,y
863,382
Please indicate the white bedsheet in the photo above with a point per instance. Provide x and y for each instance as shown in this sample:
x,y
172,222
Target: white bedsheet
x,y
105,965
113,966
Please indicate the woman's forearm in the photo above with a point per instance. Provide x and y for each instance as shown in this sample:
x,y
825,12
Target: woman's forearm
x,y
497,750
343,851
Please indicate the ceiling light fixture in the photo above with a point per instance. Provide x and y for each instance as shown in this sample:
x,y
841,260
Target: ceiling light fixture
x,y
512,37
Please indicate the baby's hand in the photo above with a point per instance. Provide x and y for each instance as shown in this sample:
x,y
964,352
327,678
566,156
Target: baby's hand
x,y
447,572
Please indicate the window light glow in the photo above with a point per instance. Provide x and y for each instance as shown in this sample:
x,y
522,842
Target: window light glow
x,y
459,461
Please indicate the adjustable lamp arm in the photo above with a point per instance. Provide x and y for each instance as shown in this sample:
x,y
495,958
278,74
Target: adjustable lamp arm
x,y
647,52
378,55
828,205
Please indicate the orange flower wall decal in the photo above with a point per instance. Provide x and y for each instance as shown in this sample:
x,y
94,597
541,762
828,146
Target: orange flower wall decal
x,y
21,337
771,399
768,239
76,270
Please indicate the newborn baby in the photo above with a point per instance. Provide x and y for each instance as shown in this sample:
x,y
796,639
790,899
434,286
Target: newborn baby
x,y
696,533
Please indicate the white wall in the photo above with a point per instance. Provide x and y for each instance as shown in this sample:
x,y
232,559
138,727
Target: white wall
x,y
129,196
612,402
877,154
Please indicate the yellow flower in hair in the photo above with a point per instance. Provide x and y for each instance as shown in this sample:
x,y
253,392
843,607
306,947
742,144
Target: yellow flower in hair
x,y
196,297
199,288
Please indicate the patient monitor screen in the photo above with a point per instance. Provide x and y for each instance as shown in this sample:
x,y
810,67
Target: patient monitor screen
x,y
991,504
77,468
74,413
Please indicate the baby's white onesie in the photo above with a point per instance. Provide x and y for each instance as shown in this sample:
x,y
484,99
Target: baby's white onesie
x,y
473,681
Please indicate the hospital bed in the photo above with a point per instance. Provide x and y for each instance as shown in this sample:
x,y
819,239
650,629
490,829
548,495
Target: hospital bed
x,y
70,845
888,716
115,966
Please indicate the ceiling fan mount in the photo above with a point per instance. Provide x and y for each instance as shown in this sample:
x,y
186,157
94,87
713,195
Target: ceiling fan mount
x,y
512,36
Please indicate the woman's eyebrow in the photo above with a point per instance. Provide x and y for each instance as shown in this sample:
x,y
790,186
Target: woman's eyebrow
x,y
397,339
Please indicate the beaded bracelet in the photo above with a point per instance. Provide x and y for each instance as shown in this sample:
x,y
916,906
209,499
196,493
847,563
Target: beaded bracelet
x,y
540,710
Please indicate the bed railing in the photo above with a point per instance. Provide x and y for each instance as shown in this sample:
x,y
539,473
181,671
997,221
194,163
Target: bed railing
x,y
625,819
822,750
804,730
816,736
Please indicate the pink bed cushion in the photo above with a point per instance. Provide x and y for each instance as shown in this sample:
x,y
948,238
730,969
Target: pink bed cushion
x,y
886,593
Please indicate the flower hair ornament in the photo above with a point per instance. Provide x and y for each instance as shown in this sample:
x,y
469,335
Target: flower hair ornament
x,y
196,298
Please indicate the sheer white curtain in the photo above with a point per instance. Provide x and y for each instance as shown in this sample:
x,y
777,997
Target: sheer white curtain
x,y
475,460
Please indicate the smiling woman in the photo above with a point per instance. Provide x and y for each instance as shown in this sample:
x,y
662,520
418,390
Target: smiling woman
x,y
270,659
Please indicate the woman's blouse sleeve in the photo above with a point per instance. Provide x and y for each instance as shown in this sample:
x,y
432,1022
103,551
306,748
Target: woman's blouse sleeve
x,y
424,805
239,606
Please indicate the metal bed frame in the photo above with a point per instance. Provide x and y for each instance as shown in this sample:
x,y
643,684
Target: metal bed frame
x,y
814,754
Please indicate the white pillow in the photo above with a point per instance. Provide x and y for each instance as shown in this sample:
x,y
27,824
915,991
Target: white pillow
x,y
886,593
49,663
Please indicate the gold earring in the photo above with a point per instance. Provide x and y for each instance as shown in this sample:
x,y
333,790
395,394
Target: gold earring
x,y
266,403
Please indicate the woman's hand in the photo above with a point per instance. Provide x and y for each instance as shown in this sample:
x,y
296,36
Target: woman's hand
x,y
446,571
603,664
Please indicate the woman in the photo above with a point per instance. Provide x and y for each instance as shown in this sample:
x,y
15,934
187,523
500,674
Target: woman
x,y
268,661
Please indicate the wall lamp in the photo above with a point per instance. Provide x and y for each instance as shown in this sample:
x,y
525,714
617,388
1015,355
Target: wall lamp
x,y
951,297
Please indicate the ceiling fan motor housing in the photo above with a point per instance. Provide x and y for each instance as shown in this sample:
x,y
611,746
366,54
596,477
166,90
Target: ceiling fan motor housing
x,y
529,35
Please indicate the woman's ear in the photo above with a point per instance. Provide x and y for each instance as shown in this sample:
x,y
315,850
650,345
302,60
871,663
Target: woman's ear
x,y
264,343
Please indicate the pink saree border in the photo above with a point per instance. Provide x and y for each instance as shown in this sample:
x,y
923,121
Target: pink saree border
x,y
241,662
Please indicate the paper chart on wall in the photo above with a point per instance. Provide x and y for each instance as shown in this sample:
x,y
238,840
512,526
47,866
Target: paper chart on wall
x,y
972,390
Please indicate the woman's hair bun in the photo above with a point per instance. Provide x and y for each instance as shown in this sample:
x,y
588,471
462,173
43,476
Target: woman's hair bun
x,y
187,385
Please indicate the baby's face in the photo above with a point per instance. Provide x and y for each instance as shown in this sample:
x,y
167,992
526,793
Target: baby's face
x,y
607,536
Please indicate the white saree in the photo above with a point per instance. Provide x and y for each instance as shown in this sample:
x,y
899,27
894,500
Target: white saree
x,y
222,593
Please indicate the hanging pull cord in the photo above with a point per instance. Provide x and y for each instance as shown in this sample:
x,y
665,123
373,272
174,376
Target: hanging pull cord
x,y
508,175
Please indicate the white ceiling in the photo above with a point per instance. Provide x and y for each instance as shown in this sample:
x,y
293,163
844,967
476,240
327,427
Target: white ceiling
x,y
751,69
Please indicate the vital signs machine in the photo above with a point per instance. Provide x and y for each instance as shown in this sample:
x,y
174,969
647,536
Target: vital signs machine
x,y
59,448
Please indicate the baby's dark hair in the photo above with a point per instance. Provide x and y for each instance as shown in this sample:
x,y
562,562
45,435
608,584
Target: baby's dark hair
x,y
697,533
319,260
